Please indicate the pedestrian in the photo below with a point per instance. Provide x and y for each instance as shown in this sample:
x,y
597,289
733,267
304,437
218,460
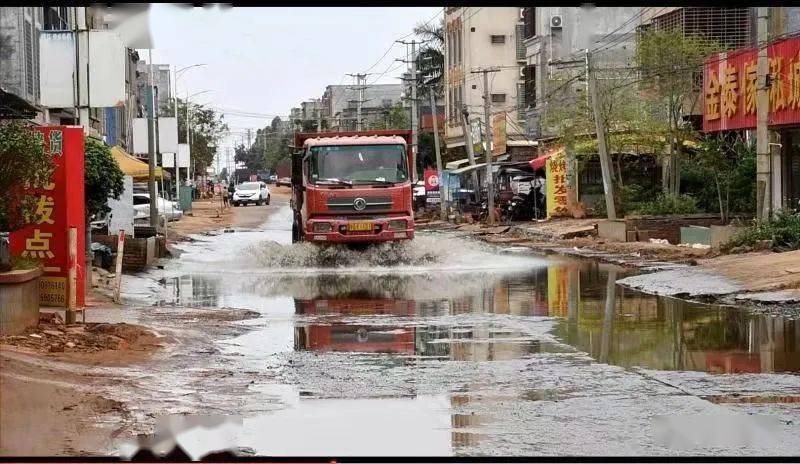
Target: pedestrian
x,y
224,197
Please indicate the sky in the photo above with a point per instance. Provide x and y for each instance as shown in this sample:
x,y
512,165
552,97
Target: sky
x,y
268,60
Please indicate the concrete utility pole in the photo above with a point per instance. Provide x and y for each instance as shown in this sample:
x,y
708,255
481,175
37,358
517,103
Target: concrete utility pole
x,y
470,147
605,162
487,115
248,139
763,171
442,212
414,108
360,87
414,112
151,144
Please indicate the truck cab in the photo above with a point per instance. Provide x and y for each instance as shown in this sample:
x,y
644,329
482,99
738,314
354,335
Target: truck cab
x,y
352,187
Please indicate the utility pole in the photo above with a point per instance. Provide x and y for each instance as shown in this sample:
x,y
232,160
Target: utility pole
x,y
763,171
442,212
487,115
360,87
414,108
151,144
605,162
414,112
470,146
248,139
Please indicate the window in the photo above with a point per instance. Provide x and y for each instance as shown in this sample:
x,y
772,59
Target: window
x,y
529,20
29,71
498,39
530,86
498,98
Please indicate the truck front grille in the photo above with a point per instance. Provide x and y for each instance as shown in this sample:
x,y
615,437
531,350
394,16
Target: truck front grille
x,y
348,204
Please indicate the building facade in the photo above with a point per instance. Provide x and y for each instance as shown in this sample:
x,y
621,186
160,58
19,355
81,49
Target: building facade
x,y
162,80
19,60
557,38
479,38
339,104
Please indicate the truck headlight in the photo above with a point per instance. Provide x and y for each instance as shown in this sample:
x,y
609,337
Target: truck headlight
x,y
322,227
398,224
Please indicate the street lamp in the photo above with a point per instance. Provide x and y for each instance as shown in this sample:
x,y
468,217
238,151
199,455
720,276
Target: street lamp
x,y
178,74
188,126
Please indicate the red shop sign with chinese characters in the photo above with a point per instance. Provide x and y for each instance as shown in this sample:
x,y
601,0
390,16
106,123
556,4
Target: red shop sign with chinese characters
x,y
60,206
729,87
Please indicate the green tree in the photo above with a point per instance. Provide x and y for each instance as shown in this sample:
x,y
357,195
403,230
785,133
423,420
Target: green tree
x,y
207,128
102,176
24,163
430,60
670,63
393,117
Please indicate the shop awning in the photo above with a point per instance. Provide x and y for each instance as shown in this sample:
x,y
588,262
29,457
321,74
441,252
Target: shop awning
x,y
131,166
539,163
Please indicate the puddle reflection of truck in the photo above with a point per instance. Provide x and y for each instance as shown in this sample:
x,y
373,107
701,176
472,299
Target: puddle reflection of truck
x,y
352,187
360,338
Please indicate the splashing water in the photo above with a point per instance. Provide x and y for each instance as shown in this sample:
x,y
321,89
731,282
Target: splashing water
x,y
420,251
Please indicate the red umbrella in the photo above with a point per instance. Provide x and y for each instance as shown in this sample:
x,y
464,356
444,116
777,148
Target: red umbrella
x,y
539,163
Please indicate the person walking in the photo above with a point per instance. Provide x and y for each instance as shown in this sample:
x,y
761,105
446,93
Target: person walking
x,y
224,197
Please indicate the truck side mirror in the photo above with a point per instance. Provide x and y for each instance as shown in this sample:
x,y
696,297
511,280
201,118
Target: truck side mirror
x,y
297,168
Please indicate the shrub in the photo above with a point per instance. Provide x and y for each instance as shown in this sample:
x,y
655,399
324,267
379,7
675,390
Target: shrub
x,y
667,204
783,230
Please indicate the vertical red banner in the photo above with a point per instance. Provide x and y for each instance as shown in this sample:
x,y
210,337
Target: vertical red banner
x,y
59,207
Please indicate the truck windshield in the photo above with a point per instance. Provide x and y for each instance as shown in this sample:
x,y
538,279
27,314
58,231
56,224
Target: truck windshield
x,y
359,163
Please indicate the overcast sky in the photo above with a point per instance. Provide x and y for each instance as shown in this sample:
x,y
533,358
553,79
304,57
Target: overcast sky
x,y
267,60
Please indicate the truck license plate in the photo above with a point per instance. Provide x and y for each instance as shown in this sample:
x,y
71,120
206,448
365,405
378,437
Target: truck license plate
x,y
359,226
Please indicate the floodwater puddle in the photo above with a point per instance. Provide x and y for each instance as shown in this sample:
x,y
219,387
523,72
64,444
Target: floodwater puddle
x,y
445,346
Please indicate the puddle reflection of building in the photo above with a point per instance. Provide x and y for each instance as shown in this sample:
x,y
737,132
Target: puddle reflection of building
x,y
628,328
192,291
463,422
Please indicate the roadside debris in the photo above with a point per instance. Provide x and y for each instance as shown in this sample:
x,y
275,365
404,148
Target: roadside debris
x,y
87,338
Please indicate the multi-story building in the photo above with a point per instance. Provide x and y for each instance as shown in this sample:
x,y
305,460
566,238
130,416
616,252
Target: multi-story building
x,y
119,119
340,104
161,82
479,38
19,62
555,38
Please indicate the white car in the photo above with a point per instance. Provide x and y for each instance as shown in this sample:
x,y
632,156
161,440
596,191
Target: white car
x,y
166,208
256,193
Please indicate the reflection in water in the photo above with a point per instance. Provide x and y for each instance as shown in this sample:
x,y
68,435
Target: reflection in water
x,y
613,324
401,313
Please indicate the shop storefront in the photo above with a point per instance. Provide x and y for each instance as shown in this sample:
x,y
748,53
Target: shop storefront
x,y
729,104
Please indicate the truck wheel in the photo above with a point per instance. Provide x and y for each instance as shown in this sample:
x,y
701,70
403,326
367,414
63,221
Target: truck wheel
x,y
295,232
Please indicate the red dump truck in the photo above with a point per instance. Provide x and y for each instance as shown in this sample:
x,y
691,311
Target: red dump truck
x,y
352,187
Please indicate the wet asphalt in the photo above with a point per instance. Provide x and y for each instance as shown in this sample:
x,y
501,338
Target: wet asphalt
x,y
444,346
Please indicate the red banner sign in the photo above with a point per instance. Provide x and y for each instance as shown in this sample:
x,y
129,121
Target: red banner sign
x,y
60,206
729,87
431,179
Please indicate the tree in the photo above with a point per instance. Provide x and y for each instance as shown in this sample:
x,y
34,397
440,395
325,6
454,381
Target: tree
x,y
102,176
430,60
223,175
670,64
25,163
207,127
730,163
394,117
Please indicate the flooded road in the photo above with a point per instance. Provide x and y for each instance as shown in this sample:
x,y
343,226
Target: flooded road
x,y
449,347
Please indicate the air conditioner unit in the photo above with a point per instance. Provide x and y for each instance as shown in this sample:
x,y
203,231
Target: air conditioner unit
x,y
555,22
522,13
522,72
